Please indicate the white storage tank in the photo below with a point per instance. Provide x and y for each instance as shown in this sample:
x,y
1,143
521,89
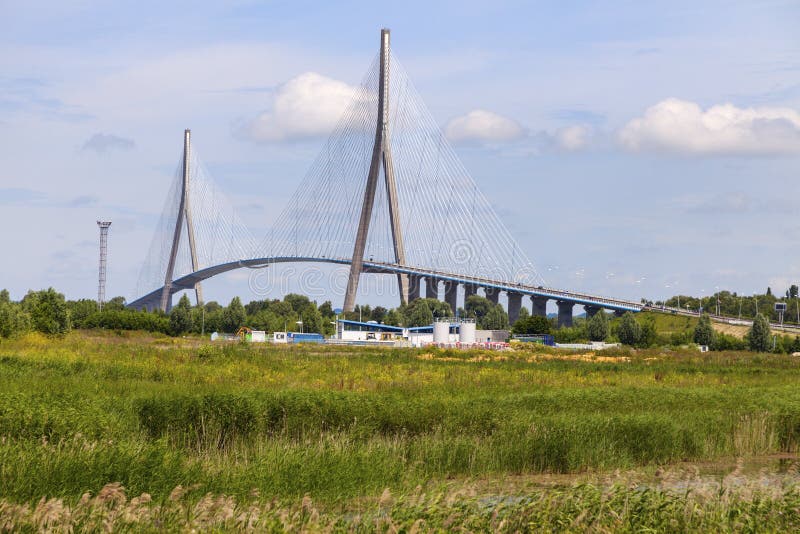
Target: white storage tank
x,y
441,331
466,332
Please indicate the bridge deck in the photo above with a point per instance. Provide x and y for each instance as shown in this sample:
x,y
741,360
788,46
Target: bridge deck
x,y
188,281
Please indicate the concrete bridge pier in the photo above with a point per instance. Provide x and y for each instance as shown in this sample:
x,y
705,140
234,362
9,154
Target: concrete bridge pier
x,y
564,313
539,308
514,304
492,294
414,283
591,311
469,290
451,295
431,288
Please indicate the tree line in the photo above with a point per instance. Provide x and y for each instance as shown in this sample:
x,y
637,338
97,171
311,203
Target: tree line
x,y
47,311
732,304
642,332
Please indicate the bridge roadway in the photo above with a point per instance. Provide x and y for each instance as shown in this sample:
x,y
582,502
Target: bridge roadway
x,y
566,299
592,302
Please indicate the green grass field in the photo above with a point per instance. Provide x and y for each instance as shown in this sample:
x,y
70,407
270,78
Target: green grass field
x,y
360,438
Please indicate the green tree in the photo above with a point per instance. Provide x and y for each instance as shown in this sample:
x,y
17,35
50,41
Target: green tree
x,y
495,319
597,327
48,311
4,296
14,321
393,318
116,303
312,320
180,317
531,325
80,310
704,332
759,338
326,309
629,332
234,315
254,306
418,314
299,303
648,335
477,307
523,314
379,314
214,316
793,291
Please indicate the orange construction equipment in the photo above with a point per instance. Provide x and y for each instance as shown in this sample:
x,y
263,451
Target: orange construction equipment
x,y
243,332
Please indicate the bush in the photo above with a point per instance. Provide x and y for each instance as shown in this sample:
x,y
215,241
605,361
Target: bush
x,y
728,342
180,318
629,331
48,311
598,327
14,321
128,320
704,332
531,325
759,338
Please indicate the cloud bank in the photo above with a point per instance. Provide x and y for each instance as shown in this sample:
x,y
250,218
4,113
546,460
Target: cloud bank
x,y
680,126
483,127
306,106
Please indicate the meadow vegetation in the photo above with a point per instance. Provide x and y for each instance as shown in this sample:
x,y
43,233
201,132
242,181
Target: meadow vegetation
x,y
260,424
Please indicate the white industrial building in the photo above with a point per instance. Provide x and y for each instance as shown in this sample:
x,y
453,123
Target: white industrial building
x,y
453,332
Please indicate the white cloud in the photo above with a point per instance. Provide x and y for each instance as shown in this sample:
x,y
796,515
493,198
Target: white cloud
x,y
306,106
481,126
102,143
572,138
675,125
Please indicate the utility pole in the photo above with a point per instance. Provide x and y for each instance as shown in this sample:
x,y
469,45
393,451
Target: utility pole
x,y
101,278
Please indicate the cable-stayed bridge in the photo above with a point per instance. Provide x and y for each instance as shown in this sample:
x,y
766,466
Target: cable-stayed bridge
x,y
387,195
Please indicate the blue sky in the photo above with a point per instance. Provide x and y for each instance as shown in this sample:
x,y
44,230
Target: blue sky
x,y
635,149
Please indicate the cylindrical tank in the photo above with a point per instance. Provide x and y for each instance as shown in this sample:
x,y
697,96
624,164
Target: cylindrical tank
x,y
441,332
466,332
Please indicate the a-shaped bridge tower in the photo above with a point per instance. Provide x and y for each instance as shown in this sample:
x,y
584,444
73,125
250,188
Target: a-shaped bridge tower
x,y
381,153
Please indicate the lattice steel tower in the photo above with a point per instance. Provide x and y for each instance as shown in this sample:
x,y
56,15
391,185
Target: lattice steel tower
x,y
101,278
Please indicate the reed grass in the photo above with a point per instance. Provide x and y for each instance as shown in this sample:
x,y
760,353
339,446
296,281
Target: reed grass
x,y
153,413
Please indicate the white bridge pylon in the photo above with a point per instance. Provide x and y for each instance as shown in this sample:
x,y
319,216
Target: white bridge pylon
x,y
388,187
198,228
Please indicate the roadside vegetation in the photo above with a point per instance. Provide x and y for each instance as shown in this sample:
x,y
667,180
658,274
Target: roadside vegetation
x,y
48,312
271,424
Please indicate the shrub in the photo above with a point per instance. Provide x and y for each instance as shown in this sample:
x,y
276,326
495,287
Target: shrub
x,y
14,321
598,327
704,332
759,338
48,311
629,332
